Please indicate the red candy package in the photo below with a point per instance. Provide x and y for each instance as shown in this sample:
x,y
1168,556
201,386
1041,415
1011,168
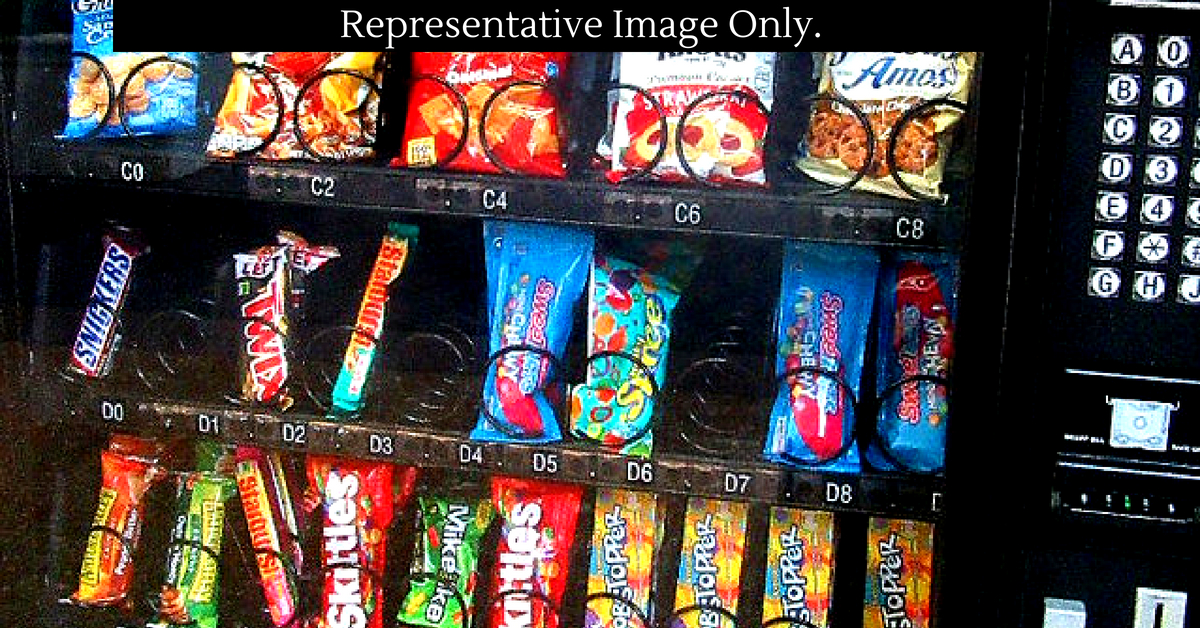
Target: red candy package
x,y
357,498
534,553
512,121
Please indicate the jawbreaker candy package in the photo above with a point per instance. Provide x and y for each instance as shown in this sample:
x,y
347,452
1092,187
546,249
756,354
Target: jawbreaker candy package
x,y
535,277
625,538
821,333
710,563
899,573
916,348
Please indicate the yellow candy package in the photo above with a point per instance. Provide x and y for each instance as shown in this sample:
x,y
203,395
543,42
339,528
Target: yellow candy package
x,y
899,573
799,568
625,539
710,564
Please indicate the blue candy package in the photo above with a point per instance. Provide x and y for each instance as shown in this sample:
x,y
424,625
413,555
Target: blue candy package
x,y
917,297
158,88
825,303
535,276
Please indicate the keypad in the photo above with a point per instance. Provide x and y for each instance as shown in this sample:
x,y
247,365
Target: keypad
x,y
1146,220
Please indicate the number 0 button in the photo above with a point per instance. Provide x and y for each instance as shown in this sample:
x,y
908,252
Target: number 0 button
x,y
1174,51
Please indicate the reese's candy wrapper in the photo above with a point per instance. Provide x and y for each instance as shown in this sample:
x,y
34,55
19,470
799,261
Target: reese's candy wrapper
x,y
798,580
446,561
129,467
191,589
535,276
625,538
710,563
899,574
534,553
916,350
523,125
391,260
99,335
824,313
629,314
356,498
274,525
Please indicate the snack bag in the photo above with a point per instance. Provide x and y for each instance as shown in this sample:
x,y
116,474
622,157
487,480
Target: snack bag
x,y
710,563
190,591
885,86
522,130
799,567
447,561
537,531
535,276
356,497
129,467
300,105
274,525
726,97
625,537
159,87
821,333
99,335
899,573
390,261
916,340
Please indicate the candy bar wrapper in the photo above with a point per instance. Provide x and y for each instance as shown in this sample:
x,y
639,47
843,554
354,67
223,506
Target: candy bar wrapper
x,y
899,574
710,562
824,313
160,98
625,538
274,525
338,112
303,260
99,336
191,589
356,498
537,532
391,260
535,276
446,561
799,568
916,339
629,310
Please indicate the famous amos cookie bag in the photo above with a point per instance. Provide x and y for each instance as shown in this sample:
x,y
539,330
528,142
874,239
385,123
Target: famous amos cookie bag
x,y
690,116
300,105
486,112
912,103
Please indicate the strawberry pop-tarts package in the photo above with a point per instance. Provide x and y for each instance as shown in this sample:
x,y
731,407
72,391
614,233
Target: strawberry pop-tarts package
x,y
710,564
899,573
625,538
799,567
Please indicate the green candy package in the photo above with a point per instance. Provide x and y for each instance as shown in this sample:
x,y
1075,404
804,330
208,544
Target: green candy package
x,y
445,569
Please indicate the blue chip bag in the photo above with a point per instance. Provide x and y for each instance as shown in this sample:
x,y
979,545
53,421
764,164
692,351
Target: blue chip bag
x,y
535,277
160,87
825,302
917,297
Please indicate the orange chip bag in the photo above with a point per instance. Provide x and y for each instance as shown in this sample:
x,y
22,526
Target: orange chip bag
x,y
883,121
486,112
300,105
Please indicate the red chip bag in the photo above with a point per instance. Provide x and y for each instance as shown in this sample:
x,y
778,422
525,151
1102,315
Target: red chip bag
x,y
522,125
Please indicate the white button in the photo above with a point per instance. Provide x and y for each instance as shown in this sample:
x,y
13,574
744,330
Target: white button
x,y
1174,51
1119,128
1140,424
1126,49
1169,91
1153,248
1190,255
1165,131
1161,170
1116,167
1104,282
1149,285
1188,291
1157,209
1124,89
1193,212
1114,206
1195,173
1107,245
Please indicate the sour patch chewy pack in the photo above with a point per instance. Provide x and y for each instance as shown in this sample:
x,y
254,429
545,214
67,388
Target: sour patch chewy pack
x,y
824,312
534,552
446,561
99,334
625,538
535,276
710,563
899,573
799,568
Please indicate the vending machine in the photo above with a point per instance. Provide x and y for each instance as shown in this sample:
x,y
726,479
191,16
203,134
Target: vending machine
x,y
741,339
